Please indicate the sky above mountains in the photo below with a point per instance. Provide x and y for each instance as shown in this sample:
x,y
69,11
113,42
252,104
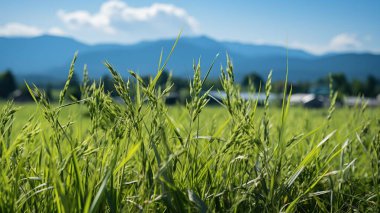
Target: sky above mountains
x,y
318,26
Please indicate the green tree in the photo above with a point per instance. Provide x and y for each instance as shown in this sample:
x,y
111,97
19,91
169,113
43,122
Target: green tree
x,y
341,84
255,78
357,87
7,84
301,87
372,87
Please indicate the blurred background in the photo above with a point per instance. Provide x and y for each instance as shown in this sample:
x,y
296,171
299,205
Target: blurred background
x,y
340,39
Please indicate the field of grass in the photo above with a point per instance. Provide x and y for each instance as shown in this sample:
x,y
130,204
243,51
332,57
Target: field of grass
x,y
95,155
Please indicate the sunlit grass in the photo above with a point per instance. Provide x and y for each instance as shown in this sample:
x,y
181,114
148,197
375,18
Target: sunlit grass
x,y
142,155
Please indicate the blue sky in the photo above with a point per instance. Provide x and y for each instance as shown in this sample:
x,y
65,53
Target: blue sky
x,y
316,26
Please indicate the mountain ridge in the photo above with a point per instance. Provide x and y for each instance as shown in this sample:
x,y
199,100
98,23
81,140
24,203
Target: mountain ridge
x,y
51,56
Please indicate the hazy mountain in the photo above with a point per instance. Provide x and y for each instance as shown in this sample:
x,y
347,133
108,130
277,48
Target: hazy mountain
x,y
251,50
50,56
33,55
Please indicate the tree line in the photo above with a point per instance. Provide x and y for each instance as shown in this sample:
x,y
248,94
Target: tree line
x,y
368,88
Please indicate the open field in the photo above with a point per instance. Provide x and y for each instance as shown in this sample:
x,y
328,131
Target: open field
x,y
97,155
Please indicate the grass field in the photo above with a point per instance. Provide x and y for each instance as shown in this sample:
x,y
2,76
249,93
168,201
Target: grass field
x,y
96,155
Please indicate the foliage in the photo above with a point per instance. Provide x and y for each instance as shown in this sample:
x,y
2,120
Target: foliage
x,y
253,78
7,84
95,155
369,87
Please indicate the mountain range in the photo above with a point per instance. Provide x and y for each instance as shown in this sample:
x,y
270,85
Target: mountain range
x,y
47,58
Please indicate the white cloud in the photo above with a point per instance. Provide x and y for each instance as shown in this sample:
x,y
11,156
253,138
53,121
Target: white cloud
x,y
339,43
344,41
116,16
80,18
17,29
56,31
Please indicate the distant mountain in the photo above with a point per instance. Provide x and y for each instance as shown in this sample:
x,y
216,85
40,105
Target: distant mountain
x,y
251,50
357,66
50,56
33,55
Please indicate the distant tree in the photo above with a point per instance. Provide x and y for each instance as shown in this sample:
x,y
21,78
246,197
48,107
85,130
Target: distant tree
x,y
278,86
255,79
74,88
24,95
341,84
7,84
163,78
301,87
372,87
109,85
357,88
179,84
215,84
49,91
161,81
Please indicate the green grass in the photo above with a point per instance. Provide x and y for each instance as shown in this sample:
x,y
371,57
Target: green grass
x,y
96,155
